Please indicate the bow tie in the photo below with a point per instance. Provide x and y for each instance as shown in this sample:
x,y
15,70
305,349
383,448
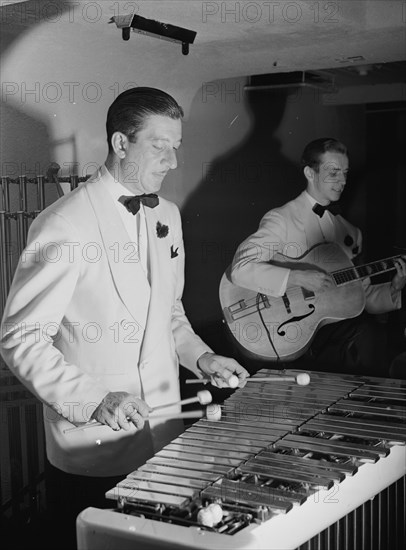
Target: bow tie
x,y
133,203
333,207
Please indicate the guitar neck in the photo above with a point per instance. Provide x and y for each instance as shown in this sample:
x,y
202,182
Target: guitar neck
x,y
356,273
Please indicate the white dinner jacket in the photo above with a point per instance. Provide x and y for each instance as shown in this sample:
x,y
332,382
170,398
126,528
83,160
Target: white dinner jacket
x,y
292,230
81,320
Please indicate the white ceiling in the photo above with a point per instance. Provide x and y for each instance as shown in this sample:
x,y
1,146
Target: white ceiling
x,y
239,38
255,37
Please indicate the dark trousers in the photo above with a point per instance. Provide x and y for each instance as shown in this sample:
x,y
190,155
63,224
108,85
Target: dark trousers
x,y
354,346
67,495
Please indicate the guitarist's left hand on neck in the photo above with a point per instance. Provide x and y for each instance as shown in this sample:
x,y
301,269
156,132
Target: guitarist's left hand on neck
x,y
399,280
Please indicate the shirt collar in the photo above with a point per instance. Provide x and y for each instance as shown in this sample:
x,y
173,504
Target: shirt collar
x,y
114,187
310,199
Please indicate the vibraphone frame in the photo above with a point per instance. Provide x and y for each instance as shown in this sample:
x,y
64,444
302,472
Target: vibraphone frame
x,y
21,218
22,452
343,507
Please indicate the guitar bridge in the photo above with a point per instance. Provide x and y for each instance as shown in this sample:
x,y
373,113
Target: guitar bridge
x,y
242,308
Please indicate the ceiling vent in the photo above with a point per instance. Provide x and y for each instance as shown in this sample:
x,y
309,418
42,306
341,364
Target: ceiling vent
x,y
305,79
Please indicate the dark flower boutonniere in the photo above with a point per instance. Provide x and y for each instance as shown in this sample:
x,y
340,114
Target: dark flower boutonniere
x,y
161,230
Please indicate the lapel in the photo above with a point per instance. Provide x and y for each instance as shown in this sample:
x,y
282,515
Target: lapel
x,y
159,250
311,227
129,277
346,237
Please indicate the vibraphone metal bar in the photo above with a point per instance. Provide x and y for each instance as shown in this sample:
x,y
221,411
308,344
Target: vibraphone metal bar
x,y
285,462
21,217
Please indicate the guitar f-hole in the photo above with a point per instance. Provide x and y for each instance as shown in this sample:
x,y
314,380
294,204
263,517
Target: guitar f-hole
x,y
282,332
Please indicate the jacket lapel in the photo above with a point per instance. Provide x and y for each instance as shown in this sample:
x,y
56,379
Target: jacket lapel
x,y
311,226
346,237
159,261
126,270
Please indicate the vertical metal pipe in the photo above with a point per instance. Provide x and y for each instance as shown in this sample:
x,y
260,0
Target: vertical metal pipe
x,y
3,255
5,192
379,521
40,193
402,488
391,517
346,531
339,534
22,181
22,215
397,511
20,231
4,259
6,256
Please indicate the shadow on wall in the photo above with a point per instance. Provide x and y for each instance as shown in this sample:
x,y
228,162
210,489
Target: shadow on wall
x,y
25,143
227,205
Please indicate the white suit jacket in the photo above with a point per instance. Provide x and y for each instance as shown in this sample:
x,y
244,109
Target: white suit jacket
x,y
81,320
292,230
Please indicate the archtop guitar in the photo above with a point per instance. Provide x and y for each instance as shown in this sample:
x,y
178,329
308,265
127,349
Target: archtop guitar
x,y
283,328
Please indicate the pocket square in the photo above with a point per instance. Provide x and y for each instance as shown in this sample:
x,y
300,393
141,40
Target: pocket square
x,y
174,253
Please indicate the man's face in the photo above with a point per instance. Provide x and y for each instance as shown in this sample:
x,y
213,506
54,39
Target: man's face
x,y
148,160
328,183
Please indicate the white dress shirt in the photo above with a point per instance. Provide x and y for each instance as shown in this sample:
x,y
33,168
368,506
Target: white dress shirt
x,y
135,224
326,222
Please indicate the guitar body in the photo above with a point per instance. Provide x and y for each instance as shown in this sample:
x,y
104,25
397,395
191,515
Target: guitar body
x,y
257,321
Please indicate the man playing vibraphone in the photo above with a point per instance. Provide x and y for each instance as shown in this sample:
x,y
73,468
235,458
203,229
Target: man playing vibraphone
x,y
94,324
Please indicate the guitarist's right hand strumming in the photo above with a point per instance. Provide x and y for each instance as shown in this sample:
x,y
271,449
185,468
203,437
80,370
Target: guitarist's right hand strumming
x,y
311,279
325,287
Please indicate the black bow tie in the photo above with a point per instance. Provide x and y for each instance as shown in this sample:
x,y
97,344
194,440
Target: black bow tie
x,y
133,203
333,207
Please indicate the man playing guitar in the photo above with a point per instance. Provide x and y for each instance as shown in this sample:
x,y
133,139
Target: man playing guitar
x,y
352,345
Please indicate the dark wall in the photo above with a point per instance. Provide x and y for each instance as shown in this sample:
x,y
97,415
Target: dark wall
x,y
258,174
386,174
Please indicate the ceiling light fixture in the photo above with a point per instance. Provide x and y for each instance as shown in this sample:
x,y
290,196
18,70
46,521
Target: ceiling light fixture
x,y
150,27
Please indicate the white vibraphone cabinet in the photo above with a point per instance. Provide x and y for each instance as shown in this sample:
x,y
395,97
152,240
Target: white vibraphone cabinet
x,y
321,466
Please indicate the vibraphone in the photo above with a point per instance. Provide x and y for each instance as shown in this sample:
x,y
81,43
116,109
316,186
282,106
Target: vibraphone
x,y
14,224
22,451
323,463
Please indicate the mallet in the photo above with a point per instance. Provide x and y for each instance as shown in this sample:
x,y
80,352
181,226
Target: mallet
x,y
301,379
203,397
212,412
233,381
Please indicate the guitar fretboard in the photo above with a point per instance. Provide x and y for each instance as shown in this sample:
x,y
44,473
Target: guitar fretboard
x,y
349,274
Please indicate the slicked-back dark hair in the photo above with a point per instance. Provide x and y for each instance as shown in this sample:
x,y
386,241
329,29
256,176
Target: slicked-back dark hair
x,y
128,112
315,149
